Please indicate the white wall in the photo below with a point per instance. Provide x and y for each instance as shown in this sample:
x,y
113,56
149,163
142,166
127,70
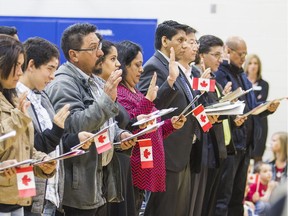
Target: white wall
x,y
262,23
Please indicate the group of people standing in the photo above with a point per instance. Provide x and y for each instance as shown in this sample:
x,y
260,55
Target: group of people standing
x,y
193,173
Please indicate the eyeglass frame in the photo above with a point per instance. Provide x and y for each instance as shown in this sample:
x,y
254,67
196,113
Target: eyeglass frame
x,y
241,55
99,47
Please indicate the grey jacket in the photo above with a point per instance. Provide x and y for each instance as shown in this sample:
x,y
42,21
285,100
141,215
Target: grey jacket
x,y
83,174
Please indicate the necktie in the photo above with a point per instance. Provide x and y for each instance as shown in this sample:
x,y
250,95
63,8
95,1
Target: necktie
x,y
186,88
189,94
225,123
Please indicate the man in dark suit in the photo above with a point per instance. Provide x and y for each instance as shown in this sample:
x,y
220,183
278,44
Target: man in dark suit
x,y
174,91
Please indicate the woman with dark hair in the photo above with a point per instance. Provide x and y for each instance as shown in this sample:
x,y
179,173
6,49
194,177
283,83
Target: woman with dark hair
x,y
106,64
149,179
14,117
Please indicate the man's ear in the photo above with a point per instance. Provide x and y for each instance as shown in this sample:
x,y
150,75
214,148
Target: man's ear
x,y
228,50
73,55
30,65
164,41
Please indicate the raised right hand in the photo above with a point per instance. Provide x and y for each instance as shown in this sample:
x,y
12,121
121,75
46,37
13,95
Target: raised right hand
x,y
23,104
110,87
61,116
173,68
153,89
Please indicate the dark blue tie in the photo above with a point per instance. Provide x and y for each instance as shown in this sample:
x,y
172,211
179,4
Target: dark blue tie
x,y
189,94
187,89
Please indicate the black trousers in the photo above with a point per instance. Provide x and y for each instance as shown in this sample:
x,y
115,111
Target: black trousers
x,y
126,207
231,190
212,185
101,211
175,200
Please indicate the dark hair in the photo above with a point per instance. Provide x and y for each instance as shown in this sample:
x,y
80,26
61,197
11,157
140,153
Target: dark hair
x,y
40,50
8,30
106,48
169,29
190,30
10,49
127,52
208,41
72,37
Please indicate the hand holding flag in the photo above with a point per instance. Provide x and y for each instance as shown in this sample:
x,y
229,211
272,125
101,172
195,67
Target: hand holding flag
x,y
9,172
128,143
190,105
202,118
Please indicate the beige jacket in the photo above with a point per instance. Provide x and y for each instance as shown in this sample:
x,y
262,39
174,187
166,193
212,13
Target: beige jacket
x,y
19,147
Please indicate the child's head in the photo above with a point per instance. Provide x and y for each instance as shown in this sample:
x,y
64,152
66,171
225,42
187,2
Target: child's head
x,y
264,170
279,145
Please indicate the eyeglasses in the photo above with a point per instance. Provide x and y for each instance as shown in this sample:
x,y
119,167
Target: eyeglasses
x,y
241,55
99,47
217,55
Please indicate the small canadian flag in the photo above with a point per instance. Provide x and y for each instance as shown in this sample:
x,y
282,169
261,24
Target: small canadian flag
x,y
26,182
203,84
146,153
252,178
102,142
202,118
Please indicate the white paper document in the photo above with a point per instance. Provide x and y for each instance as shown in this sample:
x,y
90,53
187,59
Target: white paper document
x,y
229,109
235,94
154,115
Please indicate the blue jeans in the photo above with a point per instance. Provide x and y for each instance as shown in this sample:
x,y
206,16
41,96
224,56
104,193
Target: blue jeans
x,y
49,209
262,208
18,212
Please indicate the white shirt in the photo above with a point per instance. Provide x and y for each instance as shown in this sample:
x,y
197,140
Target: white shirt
x,y
35,99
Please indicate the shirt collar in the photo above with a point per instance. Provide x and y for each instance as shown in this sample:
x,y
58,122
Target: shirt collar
x,y
21,88
186,71
84,75
164,55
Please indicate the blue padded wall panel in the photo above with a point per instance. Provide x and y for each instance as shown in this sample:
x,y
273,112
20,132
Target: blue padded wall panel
x,y
140,31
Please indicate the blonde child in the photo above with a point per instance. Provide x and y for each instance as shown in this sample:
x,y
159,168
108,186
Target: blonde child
x,y
279,164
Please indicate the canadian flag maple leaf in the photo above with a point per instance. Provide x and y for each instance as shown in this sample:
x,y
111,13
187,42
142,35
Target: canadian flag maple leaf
x,y
203,84
101,138
26,180
146,153
203,118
